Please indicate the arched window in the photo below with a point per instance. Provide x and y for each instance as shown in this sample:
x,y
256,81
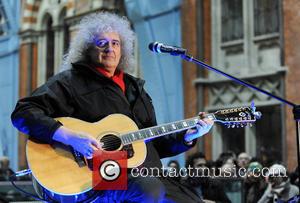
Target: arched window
x,y
49,48
65,30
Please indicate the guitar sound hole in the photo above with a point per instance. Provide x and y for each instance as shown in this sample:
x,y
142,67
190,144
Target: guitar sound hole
x,y
111,142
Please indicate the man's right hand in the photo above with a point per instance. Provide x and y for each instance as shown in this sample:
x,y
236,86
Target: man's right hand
x,y
80,141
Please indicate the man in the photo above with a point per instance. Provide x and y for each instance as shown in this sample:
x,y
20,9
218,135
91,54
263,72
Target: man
x,y
174,170
279,188
255,184
94,86
5,170
202,183
243,161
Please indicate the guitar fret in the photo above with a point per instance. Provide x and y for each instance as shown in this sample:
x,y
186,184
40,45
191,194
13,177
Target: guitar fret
x,y
178,125
151,133
158,130
155,131
169,128
147,133
143,135
174,126
133,136
192,122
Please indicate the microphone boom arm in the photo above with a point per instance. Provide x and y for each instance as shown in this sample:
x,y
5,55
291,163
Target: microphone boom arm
x,y
192,59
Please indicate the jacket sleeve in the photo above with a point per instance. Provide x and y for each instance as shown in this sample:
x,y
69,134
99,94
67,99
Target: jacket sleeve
x,y
34,115
172,145
267,196
168,145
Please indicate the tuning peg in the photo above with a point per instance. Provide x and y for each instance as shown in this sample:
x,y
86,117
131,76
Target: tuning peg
x,y
250,125
233,125
257,114
253,107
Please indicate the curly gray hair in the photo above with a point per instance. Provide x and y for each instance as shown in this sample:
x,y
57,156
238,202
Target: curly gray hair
x,y
92,26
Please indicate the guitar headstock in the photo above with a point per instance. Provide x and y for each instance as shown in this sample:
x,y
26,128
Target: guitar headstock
x,y
237,117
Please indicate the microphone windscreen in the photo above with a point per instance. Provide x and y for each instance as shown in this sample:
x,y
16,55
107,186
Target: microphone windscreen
x,y
153,46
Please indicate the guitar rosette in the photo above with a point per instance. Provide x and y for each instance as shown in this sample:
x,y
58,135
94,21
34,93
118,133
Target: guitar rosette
x,y
110,170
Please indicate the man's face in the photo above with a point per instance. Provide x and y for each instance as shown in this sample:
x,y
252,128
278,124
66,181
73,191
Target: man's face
x,y
174,166
199,163
243,160
200,167
275,180
107,51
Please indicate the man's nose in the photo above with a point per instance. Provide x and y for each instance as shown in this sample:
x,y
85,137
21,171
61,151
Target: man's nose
x,y
108,48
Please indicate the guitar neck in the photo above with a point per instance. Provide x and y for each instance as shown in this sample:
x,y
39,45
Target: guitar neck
x,y
164,129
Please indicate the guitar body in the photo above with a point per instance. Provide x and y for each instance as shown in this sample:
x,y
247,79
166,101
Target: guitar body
x,y
54,167
60,173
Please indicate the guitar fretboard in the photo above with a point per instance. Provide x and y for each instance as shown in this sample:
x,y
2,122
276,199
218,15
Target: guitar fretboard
x,y
149,133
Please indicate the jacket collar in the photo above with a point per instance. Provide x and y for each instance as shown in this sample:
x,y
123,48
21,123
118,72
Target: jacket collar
x,y
86,68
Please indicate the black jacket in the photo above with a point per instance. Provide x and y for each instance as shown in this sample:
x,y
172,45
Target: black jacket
x,y
83,93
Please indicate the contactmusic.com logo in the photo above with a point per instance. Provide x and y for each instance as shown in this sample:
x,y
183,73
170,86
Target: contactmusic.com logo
x,y
110,170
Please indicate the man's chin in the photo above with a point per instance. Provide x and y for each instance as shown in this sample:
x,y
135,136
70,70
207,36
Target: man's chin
x,y
109,67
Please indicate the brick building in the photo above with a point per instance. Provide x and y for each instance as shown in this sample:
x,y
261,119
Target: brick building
x,y
256,41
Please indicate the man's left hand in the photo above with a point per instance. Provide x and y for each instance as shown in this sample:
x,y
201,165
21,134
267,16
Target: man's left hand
x,y
202,127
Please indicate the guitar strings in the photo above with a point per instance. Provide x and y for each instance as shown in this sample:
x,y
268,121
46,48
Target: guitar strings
x,y
110,142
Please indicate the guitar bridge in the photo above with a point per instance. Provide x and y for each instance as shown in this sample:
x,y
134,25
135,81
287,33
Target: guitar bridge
x,y
129,150
78,157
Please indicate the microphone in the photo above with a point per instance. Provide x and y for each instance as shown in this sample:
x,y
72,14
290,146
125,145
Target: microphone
x,y
161,48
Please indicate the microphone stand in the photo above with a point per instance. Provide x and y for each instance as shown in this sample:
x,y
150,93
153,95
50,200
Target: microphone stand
x,y
296,108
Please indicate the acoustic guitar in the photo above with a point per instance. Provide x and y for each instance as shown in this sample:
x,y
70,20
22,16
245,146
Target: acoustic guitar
x,y
61,170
